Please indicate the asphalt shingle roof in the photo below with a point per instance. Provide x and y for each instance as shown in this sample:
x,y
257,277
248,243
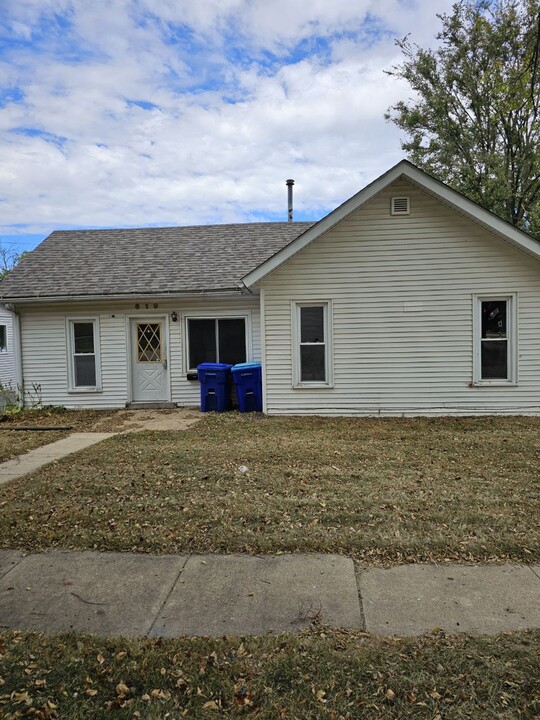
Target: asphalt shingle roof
x,y
146,261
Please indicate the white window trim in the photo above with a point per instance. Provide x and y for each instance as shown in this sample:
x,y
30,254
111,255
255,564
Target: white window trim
x,y
296,305
6,347
512,338
72,388
216,315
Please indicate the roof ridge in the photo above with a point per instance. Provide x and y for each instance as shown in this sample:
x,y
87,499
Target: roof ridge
x,y
269,223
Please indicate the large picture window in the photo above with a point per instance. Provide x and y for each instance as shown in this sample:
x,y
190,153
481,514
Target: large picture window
x,y
495,340
312,344
83,354
220,340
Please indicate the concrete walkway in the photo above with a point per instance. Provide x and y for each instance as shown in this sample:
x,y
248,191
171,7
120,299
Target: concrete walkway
x,y
133,595
35,459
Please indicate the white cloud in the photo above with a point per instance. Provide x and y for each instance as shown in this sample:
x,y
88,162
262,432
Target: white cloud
x,y
222,129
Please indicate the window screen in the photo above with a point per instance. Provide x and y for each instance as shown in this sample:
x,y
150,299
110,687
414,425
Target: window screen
x,y
216,340
232,340
494,340
312,344
84,356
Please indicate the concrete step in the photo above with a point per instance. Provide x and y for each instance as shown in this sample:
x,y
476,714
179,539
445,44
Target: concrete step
x,y
151,406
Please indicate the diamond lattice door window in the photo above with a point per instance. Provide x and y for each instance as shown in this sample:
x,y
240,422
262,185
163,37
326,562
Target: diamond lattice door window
x,y
149,342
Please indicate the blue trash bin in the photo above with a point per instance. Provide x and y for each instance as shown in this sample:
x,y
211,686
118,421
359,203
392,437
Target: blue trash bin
x,y
215,379
248,380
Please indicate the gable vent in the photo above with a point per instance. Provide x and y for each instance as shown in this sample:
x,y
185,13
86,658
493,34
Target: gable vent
x,y
400,206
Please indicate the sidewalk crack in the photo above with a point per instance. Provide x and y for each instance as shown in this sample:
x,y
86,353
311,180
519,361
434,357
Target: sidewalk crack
x,y
357,571
6,573
534,571
166,600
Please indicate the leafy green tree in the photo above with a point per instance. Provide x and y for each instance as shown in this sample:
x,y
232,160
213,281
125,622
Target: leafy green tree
x,y
474,118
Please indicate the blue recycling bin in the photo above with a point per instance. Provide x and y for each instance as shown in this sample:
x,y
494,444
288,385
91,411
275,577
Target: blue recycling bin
x,y
248,380
215,379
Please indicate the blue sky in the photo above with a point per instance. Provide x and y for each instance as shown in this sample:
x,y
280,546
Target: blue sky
x,y
118,113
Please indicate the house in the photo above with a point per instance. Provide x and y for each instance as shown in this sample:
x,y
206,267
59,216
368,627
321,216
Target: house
x,y
408,299
7,358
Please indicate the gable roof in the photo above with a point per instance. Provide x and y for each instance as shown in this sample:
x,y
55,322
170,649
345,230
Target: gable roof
x,y
424,181
148,261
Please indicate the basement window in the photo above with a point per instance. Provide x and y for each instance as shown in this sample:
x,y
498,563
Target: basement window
x,y
495,340
84,365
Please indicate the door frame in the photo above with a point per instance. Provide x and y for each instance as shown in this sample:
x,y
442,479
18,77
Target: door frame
x,y
148,316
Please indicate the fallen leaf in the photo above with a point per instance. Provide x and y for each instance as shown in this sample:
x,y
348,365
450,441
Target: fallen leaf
x,y
211,705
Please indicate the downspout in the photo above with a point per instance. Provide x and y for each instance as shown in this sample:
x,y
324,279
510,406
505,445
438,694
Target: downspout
x,y
262,311
17,352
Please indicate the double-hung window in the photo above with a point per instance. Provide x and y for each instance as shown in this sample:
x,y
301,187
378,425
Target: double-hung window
x,y
312,352
3,338
83,341
495,338
221,340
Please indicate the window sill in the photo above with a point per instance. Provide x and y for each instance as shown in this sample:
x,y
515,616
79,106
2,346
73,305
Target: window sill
x,y
313,386
84,390
493,383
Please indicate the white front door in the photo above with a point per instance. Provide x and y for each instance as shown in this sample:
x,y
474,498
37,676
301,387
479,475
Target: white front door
x,y
149,371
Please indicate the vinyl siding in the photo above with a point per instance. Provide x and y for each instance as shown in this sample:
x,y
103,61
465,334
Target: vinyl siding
x,y
45,347
7,359
402,297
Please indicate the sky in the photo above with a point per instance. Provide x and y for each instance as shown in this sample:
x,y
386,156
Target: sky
x,y
134,113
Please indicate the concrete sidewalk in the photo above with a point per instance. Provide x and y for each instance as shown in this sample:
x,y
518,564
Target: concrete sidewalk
x,y
35,459
133,595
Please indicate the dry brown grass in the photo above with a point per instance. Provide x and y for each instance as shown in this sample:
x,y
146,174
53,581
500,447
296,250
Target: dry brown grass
x,y
383,491
14,443
17,442
325,673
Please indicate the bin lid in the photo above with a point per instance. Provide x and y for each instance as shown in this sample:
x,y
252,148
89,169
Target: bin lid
x,y
213,366
246,366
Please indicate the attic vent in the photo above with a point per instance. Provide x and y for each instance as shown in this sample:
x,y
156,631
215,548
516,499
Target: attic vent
x,y
400,206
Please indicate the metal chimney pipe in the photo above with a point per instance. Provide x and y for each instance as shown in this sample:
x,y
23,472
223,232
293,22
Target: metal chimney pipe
x,y
289,184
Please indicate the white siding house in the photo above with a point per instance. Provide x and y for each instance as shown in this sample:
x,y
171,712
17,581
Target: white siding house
x,y
401,293
46,348
7,357
408,299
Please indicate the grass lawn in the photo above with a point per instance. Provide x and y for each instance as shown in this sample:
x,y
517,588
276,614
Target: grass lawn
x,y
318,674
14,443
382,491
17,442
52,416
